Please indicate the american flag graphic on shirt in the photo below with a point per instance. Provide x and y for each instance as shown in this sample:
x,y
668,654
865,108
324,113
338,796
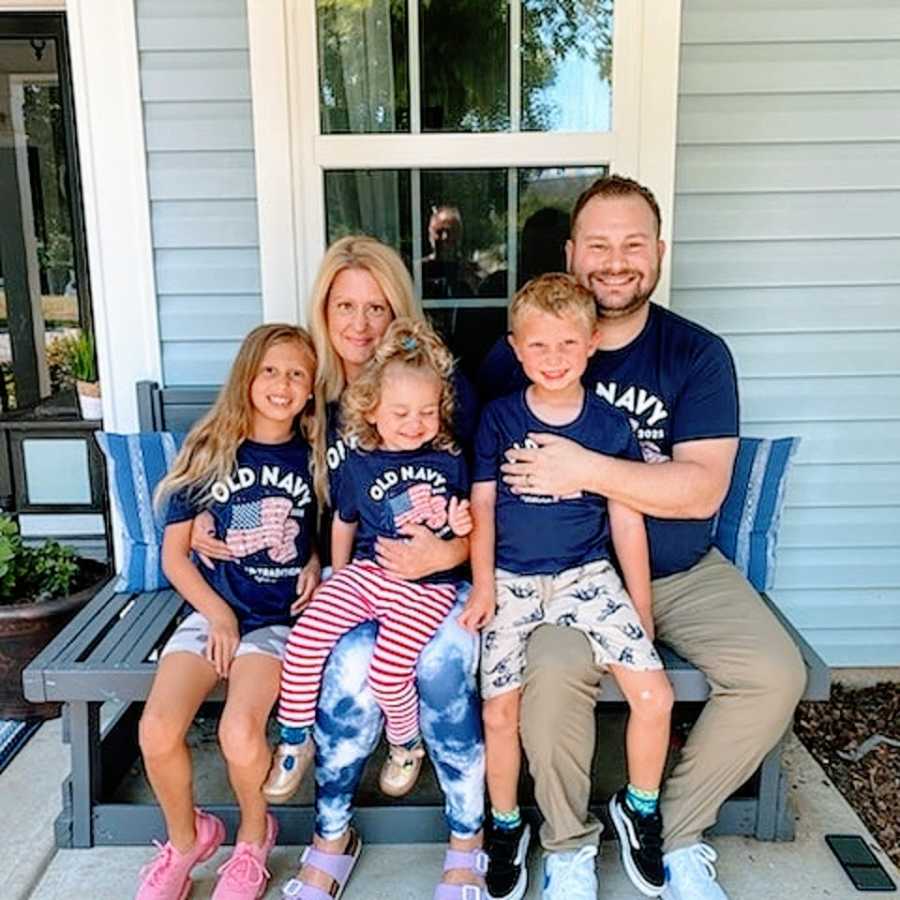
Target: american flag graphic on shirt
x,y
416,505
263,525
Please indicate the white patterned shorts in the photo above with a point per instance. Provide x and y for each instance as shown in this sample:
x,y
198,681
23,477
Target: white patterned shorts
x,y
192,634
590,598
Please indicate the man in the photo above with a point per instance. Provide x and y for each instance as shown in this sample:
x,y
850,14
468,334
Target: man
x,y
676,382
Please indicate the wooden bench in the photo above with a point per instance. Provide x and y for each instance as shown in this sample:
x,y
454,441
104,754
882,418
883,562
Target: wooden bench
x,y
106,655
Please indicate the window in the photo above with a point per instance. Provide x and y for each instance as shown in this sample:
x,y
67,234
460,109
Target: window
x,y
460,132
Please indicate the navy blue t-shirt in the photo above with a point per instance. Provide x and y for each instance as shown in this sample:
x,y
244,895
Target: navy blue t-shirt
x,y
676,382
465,422
544,535
384,490
266,513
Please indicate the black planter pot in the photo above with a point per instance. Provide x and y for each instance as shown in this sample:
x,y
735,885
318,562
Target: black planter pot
x,y
25,629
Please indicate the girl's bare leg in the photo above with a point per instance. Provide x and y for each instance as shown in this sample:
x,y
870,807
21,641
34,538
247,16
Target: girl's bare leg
x,y
181,684
253,683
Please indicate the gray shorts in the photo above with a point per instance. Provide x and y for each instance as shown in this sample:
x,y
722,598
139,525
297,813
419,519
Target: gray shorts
x,y
192,634
589,598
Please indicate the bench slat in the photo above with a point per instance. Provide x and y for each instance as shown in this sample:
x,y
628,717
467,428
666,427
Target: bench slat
x,y
167,605
129,620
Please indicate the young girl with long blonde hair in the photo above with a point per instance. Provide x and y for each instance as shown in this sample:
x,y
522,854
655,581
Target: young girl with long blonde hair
x,y
246,464
404,469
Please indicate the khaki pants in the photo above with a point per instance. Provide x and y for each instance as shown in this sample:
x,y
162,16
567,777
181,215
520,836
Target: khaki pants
x,y
711,616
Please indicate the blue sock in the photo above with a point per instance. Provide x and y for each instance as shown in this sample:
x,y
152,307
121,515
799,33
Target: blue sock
x,y
290,734
506,821
644,803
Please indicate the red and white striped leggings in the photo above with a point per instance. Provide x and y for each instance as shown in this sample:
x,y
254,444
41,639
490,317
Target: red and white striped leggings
x,y
408,615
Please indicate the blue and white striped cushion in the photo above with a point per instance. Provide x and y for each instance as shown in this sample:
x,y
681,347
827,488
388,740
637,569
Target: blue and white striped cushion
x,y
135,465
746,530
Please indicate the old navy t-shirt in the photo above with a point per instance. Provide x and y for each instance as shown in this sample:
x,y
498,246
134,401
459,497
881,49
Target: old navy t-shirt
x,y
266,513
545,535
383,490
675,382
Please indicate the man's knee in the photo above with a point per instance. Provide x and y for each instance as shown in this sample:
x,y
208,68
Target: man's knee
x,y
561,659
783,677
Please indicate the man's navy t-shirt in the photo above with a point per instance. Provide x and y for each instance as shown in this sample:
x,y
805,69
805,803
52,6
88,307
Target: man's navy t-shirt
x,y
543,535
266,513
383,490
676,382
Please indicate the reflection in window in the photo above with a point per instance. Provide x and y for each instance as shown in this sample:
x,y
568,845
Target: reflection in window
x,y
465,65
466,256
363,66
566,65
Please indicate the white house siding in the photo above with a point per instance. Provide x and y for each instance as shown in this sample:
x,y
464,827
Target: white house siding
x,y
195,86
787,242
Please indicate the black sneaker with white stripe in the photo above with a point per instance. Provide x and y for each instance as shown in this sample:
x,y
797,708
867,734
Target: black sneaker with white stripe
x,y
507,873
640,845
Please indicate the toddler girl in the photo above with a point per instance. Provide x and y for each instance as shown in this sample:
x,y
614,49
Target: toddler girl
x,y
404,470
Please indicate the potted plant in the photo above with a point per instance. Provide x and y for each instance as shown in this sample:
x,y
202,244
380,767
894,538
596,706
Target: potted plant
x,y
41,588
82,367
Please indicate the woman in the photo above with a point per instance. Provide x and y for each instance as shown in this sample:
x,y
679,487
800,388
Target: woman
x,y
361,287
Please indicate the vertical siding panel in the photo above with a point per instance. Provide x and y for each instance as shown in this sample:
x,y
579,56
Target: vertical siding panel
x,y
195,86
786,241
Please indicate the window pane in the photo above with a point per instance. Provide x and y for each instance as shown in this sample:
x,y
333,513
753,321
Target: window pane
x,y
363,66
546,198
464,64
566,65
375,202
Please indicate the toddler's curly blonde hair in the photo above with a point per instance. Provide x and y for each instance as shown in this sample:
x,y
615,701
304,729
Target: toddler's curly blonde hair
x,y
413,344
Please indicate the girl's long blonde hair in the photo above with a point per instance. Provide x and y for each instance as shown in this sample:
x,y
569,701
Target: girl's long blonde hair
x,y
209,453
390,274
415,345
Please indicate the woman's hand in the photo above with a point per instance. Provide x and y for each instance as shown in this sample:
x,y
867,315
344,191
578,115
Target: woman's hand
x,y
205,543
459,517
223,641
418,553
479,608
554,468
307,581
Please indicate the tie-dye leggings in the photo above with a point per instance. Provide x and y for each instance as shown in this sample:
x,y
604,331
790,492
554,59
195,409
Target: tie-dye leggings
x,y
349,723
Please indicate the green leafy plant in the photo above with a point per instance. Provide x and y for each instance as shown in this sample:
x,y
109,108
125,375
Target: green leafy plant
x,y
33,573
81,363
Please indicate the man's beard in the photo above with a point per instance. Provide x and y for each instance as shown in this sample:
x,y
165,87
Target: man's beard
x,y
626,307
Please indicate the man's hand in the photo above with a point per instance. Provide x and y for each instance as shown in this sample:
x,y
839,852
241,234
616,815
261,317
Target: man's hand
x,y
555,468
459,517
307,581
222,642
204,542
479,608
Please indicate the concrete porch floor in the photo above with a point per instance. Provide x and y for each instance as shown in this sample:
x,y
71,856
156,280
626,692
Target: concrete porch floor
x,y
747,868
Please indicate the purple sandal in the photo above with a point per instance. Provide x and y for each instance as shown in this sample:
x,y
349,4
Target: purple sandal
x,y
338,865
474,860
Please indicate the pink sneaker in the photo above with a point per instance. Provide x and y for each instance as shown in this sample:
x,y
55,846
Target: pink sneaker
x,y
167,876
244,876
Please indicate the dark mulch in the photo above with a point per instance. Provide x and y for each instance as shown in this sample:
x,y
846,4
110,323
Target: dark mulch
x,y
871,785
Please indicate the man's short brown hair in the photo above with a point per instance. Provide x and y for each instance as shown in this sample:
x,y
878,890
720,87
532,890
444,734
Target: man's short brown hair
x,y
615,186
557,294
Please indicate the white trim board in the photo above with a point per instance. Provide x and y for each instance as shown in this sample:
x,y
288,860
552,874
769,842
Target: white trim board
x,y
291,154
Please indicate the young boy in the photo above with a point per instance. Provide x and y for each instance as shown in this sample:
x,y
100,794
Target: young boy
x,y
547,560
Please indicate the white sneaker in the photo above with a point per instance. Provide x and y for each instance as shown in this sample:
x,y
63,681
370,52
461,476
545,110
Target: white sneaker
x,y
571,875
691,875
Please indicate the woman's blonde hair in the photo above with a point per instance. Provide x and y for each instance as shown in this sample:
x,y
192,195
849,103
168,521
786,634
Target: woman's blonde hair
x,y
390,274
412,344
209,453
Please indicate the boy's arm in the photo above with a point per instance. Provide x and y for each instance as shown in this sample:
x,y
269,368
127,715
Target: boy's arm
x,y
342,537
629,537
187,580
482,599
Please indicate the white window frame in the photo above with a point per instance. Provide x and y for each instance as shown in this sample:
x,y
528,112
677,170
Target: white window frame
x,y
291,152
113,167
